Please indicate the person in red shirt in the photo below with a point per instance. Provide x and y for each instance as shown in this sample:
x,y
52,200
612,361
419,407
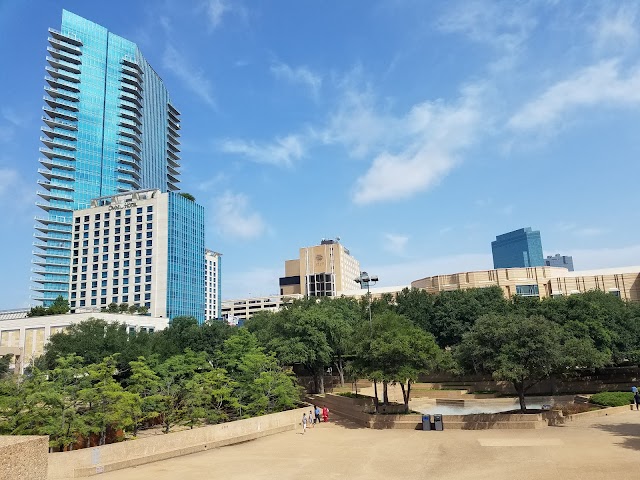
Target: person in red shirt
x,y
325,414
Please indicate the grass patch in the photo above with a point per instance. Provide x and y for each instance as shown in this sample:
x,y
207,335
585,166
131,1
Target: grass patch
x,y
612,399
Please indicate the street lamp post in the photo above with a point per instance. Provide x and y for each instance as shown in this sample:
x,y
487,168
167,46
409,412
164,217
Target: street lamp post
x,y
366,279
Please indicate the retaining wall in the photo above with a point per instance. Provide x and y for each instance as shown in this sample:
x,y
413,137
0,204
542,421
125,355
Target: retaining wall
x,y
106,458
23,457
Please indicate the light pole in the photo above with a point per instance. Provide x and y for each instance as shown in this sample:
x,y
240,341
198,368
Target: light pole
x,y
363,279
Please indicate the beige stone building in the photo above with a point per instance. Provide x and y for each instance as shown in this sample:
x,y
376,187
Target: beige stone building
x,y
540,281
25,338
241,309
321,271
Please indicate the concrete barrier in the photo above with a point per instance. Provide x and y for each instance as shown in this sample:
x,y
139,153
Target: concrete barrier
x,y
602,412
92,461
23,457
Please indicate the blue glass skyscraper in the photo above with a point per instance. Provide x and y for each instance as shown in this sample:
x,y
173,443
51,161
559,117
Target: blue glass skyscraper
x,y
110,127
520,248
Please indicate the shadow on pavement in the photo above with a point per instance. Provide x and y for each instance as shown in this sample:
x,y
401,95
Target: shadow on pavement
x,y
629,431
344,422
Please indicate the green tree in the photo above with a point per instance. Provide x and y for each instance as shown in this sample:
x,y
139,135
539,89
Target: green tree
x,y
5,365
59,306
524,350
145,383
261,385
188,196
211,397
394,350
175,374
298,335
109,405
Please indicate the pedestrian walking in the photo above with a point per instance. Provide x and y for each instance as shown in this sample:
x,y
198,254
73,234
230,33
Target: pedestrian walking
x,y
317,412
325,414
636,397
312,419
304,423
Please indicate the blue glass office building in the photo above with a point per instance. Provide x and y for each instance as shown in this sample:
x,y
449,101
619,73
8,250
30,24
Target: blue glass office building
x,y
185,272
520,248
109,127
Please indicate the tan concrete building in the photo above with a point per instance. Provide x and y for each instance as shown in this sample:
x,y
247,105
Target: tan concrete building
x,y
321,271
623,282
25,338
540,281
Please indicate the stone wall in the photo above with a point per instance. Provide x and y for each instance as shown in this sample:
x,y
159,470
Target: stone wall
x,y
23,457
91,461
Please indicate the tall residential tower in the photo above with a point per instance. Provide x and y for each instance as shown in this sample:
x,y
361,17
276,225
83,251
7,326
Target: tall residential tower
x,y
109,128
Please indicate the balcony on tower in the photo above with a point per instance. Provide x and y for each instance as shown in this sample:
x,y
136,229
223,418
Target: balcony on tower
x,y
62,93
49,195
64,45
60,113
66,37
58,142
126,150
58,154
60,103
60,83
57,123
68,135
60,64
50,174
61,74
49,185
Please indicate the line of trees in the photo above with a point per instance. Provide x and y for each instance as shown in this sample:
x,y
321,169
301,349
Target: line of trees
x,y
120,381
520,340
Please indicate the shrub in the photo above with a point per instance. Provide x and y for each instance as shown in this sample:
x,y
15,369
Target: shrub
x,y
352,395
612,399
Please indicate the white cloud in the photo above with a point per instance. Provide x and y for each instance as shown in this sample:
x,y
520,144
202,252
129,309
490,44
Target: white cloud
x,y
617,29
601,84
395,243
580,231
215,10
194,79
8,179
503,25
233,218
433,135
299,75
281,152
16,197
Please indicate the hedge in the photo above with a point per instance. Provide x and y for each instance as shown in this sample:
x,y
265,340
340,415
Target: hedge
x,y
612,399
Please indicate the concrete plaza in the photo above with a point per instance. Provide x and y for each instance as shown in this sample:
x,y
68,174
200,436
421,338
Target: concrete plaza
x,y
597,448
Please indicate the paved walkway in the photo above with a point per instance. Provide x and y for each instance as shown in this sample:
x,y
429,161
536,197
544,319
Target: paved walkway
x,y
599,448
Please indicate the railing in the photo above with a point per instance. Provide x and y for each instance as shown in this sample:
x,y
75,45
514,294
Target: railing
x,y
63,63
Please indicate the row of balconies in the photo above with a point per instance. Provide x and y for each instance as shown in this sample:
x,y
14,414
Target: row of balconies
x,y
55,174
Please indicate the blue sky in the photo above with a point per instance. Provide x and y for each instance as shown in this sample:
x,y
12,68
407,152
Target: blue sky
x,y
416,131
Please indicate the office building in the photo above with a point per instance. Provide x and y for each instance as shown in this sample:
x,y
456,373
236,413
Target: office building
x,y
212,290
140,248
25,338
520,248
321,270
109,127
559,261
238,310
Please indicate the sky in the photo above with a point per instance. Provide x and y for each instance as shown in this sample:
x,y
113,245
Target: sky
x,y
414,131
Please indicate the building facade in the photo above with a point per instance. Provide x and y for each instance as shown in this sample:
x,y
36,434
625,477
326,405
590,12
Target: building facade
x,y
559,261
623,282
26,338
520,248
238,310
212,290
142,248
321,271
109,127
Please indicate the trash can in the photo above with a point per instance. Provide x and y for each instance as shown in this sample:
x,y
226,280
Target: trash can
x,y
437,420
426,422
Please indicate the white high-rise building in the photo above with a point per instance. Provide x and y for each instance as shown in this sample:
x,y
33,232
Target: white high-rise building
x,y
212,291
